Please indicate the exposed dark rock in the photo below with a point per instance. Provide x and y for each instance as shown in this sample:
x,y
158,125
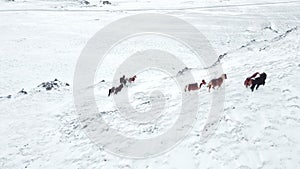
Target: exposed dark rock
x,y
248,44
270,28
218,61
106,3
263,48
183,70
5,97
22,91
85,2
277,38
53,85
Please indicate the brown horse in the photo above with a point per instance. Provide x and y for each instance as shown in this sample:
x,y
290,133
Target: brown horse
x,y
194,86
216,82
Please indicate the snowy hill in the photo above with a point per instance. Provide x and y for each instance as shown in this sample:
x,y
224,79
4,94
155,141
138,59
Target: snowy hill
x,y
41,41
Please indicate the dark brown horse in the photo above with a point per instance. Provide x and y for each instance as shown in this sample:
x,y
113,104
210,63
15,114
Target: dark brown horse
x,y
132,79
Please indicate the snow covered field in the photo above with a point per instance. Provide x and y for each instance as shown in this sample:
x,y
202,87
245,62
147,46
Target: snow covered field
x,y
41,40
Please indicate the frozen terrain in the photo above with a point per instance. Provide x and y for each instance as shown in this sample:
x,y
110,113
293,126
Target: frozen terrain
x,y
41,40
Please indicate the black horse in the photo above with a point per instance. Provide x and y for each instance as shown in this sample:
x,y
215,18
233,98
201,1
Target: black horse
x,y
258,81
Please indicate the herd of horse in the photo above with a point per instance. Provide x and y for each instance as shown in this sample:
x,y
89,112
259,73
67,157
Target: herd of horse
x,y
212,84
254,81
123,82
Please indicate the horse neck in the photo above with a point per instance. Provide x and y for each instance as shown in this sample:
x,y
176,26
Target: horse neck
x,y
200,85
254,75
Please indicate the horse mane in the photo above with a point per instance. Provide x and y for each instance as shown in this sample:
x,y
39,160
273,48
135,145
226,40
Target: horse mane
x,y
223,76
254,75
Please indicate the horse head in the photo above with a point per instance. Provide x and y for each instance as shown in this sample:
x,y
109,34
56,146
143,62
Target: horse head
x,y
263,75
248,82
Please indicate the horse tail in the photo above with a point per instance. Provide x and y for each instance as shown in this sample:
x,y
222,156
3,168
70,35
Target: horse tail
x,y
185,88
209,84
246,81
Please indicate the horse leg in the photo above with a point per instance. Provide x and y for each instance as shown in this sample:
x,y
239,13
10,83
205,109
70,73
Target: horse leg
x,y
252,87
186,88
257,86
109,91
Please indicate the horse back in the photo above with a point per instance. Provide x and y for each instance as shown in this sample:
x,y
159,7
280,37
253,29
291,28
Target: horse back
x,y
193,86
216,82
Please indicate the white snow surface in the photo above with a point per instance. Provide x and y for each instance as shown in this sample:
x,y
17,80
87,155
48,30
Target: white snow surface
x,y
42,39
